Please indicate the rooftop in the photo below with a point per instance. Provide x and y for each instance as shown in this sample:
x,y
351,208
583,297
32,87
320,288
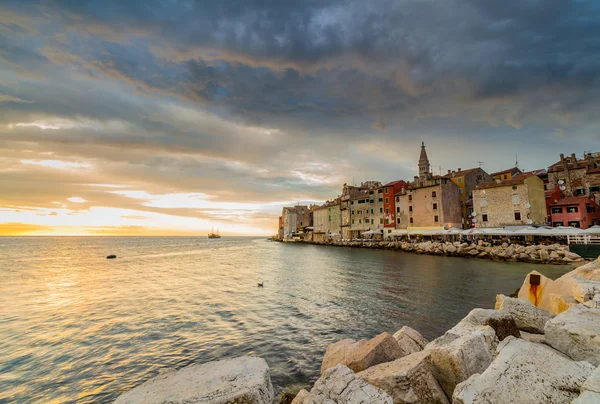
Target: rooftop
x,y
510,170
573,200
507,183
460,172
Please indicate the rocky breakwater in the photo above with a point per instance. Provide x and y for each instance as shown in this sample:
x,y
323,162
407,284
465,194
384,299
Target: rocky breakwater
x,y
515,353
541,254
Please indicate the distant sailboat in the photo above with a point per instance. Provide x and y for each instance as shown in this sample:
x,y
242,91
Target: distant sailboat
x,y
214,234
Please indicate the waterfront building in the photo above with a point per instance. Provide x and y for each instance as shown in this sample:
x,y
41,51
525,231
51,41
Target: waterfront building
x,y
542,174
326,220
576,177
505,174
433,201
295,220
390,190
376,210
401,210
334,219
575,211
280,228
350,192
467,181
520,201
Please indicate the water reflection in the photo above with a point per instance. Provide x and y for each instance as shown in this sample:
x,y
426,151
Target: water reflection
x,y
76,327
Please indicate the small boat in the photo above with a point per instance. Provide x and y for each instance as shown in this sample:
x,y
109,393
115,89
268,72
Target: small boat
x,y
214,235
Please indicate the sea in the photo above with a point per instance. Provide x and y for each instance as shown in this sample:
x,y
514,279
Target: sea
x,y
76,327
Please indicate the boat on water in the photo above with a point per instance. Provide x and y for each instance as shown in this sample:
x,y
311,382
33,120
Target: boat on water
x,y
214,234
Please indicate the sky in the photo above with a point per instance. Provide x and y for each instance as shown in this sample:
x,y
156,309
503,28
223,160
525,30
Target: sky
x,y
173,117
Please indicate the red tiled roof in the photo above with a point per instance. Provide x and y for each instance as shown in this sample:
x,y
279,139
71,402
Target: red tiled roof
x,y
507,183
526,174
391,184
572,200
594,171
460,173
510,170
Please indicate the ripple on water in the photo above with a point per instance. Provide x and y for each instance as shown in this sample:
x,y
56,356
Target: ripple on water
x,y
75,327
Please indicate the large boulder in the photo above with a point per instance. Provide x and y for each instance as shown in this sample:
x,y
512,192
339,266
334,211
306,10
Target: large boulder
x,y
245,380
409,340
461,352
300,397
501,321
527,317
590,391
524,373
576,333
341,385
363,354
407,380
560,302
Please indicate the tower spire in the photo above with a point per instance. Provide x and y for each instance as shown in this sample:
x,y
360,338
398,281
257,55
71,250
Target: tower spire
x,y
423,163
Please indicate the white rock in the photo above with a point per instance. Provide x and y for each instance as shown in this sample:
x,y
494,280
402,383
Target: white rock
x,y
535,338
245,379
501,321
300,397
560,302
576,333
409,340
362,354
407,380
341,385
527,317
590,391
524,373
461,352
595,302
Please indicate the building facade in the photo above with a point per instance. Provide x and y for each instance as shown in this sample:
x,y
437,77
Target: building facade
x,y
576,177
515,202
575,211
467,181
390,190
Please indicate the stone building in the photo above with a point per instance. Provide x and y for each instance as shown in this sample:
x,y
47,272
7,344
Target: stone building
x,y
295,220
576,177
280,228
506,174
401,207
350,192
360,218
433,202
520,201
326,221
467,181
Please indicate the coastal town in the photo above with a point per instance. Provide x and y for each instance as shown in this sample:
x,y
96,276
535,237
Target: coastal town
x,y
564,194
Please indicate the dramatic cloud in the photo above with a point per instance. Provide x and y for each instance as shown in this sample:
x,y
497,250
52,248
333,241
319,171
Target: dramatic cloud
x,y
171,117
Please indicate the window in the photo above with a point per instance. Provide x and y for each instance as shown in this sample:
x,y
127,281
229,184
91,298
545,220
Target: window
x,y
387,200
517,215
352,202
590,209
436,219
398,220
385,190
352,212
410,208
579,191
421,183
352,221
556,224
330,218
516,199
387,211
371,192
371,211
372,221
410,197
381,221
483,202
594,189
380,199
545,187
379,191
484,217
300,223
505,176
411,220
398,210
459,180
359,221
435,206
557,210
572,209
359,212
433,194
460,191
574,223
514,187
397,199
380,210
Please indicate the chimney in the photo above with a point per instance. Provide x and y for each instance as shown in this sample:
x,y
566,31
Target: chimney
x,y
573,157
562,157
459,169
449,171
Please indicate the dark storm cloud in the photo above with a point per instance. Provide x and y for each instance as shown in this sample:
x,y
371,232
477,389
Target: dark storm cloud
x,y
274,100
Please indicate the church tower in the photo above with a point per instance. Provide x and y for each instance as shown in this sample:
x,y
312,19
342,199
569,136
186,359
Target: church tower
x,y
423,163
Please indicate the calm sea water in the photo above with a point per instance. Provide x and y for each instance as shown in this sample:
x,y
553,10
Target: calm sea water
x,y
76,327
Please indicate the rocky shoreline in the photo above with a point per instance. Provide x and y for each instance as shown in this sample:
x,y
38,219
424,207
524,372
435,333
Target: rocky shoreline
x,y
518,352
556,254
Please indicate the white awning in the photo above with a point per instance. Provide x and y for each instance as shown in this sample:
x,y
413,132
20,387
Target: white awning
x,y
593,230
566,231
372,232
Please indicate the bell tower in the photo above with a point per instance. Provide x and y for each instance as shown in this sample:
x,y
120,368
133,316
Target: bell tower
x,y
423,163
